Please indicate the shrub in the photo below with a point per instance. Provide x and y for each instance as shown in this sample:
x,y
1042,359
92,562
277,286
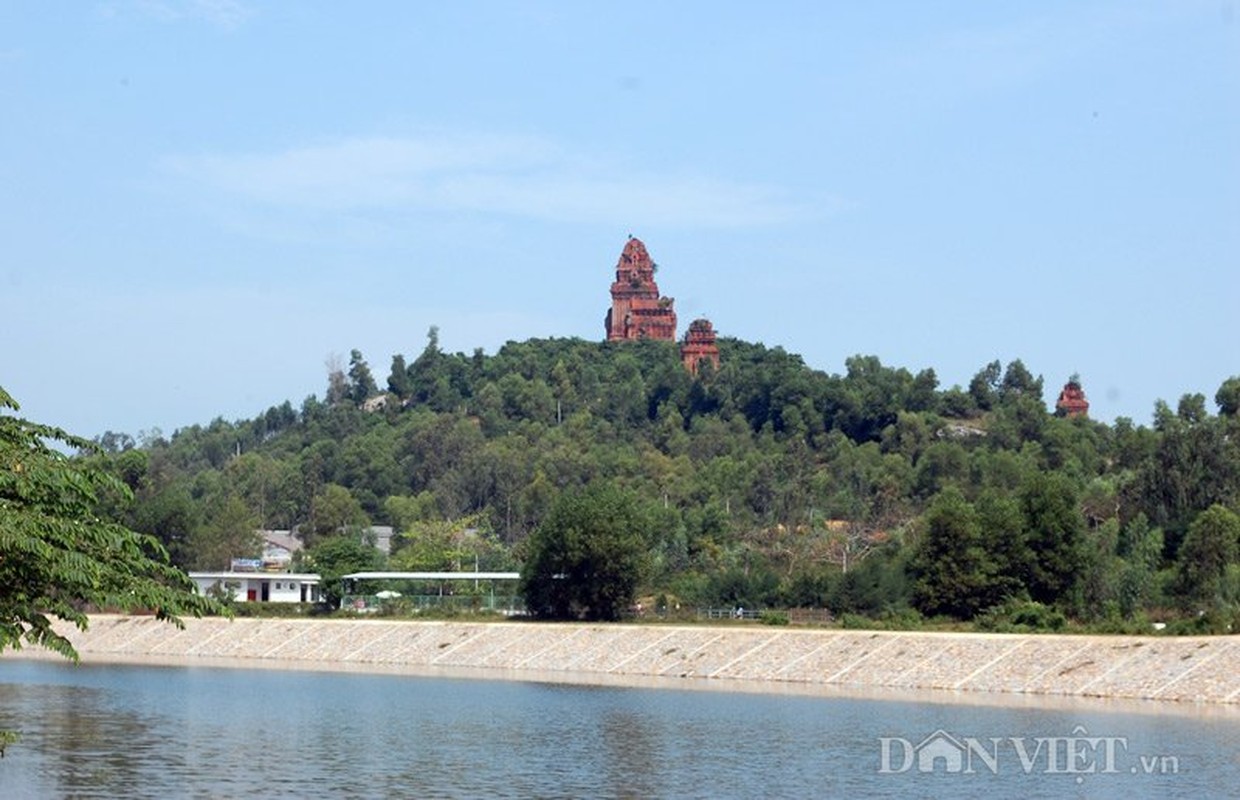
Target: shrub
x,y
1022,616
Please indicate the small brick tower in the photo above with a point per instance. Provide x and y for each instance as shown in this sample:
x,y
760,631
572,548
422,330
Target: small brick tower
x,y
1072,402
699,344
637,310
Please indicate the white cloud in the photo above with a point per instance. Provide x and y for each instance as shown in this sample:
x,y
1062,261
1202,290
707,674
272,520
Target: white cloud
x,y
517,176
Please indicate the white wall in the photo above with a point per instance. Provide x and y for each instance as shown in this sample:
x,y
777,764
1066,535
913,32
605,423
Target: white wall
x,y
281,588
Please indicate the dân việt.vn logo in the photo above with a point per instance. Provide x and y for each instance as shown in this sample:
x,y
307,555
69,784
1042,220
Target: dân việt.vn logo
x,y
1079,754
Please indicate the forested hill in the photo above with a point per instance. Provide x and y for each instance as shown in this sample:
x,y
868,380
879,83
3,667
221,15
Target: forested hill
x,y
774,483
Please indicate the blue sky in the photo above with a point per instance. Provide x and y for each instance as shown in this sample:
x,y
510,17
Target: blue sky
x,y
202,201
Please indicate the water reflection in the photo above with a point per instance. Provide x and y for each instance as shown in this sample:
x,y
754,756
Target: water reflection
x,y
108,731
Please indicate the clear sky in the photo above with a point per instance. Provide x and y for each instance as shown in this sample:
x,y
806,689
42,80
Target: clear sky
x,y
201,201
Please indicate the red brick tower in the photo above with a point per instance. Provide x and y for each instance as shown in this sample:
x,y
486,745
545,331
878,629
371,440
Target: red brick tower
x,y
1072,402
637,311
699,344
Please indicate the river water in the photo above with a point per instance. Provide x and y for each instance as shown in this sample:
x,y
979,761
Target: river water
x,y
142,731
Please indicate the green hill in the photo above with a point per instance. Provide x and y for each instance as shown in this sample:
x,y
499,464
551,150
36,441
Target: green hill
x,y
773,484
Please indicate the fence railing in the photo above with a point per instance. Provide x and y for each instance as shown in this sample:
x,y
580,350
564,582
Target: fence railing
x,y
373,603
800,616
729,613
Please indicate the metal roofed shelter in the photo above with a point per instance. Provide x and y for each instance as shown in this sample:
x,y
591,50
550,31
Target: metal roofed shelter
x,y
363,602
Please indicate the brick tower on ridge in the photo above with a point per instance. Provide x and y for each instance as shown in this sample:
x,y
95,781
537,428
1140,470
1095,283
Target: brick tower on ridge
x,y
1072,402
699,345
637,310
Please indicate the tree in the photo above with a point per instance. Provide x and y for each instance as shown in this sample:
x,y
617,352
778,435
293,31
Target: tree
x,y
1210,547
954,572
334,510
1018,381
1192,408
337,383
338,556
984,387
229,532
443,545
57,557
398,382
361,383
1228,397
1141,548
426,370
588,557
1055,534
850,543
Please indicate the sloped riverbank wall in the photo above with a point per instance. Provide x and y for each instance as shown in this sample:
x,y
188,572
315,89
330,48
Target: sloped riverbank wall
x,y
1187,669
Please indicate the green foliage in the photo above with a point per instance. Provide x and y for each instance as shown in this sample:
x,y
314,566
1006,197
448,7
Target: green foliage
x,y
1140,550
905,619
1228,397
229,533
775,484
1023,617
587,559
57,557
448,545
1054,529
740,588
1210,548
277,610
955,572
334,510
361,383
339,555
1019,382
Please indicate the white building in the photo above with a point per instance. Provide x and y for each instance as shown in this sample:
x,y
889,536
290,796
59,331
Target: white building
x,y
261,587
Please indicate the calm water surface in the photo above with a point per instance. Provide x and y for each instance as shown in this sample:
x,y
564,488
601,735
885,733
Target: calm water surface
x,y
128,731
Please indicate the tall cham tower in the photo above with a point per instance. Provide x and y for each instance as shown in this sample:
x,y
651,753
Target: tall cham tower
x,y
637,311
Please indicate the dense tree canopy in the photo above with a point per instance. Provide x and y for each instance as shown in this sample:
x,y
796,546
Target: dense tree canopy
x,y
773,481
58,557
586,560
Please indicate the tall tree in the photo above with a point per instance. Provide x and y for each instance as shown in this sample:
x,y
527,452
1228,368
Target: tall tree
x,y
984,387
338,556
57,557
1211,546
1018,381
1140,546
588,557
398,381
1055,529
362,384
1228,397
229,532
337,381
334,510
954,574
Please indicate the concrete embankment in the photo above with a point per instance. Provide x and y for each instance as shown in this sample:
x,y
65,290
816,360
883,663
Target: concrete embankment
x,y
1191,669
